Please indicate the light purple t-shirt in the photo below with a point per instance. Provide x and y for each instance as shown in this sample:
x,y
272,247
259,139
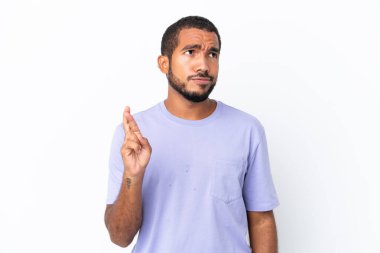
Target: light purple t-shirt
x,y
202,177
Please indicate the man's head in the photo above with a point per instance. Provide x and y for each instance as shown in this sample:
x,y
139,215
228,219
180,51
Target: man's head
x,y
170,38
190,57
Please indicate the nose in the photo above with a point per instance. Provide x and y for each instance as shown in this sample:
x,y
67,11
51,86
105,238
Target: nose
x,y
202,64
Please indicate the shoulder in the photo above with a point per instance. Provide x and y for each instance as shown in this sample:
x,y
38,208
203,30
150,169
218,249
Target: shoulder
x,y
151,112
140,118
239,117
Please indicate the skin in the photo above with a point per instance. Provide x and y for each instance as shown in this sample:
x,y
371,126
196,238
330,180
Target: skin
x,y
262,232
196,56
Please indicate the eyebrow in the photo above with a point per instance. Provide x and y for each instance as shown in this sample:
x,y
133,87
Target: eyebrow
x,y
214,49
197,46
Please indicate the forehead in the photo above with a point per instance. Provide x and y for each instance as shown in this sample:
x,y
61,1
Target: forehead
x,y
190,36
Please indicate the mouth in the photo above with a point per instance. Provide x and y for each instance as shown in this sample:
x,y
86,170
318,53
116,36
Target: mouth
x,y
201,80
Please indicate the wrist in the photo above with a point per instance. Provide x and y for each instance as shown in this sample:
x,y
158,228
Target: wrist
x,y
132,180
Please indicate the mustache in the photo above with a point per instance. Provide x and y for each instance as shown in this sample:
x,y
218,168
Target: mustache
x,y
203,75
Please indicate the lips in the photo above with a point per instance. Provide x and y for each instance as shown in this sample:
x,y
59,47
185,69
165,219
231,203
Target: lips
x,y
201,80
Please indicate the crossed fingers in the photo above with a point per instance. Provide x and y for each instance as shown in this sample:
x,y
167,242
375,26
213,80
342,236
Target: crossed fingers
x,y
132,131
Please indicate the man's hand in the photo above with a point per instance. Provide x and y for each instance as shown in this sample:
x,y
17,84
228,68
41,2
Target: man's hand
x,y
136,149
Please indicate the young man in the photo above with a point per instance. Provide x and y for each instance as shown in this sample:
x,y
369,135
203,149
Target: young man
x,y
207,182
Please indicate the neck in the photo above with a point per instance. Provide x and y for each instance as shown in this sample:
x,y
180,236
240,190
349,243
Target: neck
x,y
185,109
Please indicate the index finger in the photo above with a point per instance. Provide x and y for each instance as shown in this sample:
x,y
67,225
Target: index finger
x,y
129,122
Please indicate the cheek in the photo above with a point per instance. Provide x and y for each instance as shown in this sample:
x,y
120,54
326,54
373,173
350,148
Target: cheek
x,y
182,66
214,68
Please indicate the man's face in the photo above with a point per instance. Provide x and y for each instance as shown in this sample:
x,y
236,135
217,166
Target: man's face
x,y
193,68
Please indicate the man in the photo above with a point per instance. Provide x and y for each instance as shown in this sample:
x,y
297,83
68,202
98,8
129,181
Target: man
x,y
207,182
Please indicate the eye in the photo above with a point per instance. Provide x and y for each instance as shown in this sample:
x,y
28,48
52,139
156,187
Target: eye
x,y
213,55
189,52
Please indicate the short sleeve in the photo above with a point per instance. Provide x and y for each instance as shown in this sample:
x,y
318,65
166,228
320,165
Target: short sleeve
x,y
258,191
115,165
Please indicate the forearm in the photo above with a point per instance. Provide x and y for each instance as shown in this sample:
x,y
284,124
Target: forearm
x,y
263,235
123,218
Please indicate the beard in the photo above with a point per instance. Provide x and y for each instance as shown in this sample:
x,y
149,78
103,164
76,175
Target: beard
x,y
192,96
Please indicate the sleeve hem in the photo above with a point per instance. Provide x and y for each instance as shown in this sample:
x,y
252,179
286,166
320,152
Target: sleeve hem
x,y
263,207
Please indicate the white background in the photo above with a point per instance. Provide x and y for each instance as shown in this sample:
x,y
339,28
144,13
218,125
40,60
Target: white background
x,y
309,70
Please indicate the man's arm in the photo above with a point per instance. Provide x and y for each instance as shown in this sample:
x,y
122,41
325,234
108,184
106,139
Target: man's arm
x,y
123,218
262,232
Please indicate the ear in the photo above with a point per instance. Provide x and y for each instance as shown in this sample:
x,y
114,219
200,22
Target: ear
x,y
163,64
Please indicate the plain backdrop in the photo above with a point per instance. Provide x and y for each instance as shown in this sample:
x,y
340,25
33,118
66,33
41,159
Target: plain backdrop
x,y
308,70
